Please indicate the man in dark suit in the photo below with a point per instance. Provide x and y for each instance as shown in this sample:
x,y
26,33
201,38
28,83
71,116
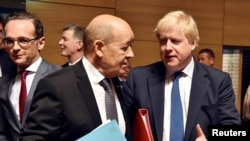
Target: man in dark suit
x,y
70,103
23,41
206,94
6,64
71,43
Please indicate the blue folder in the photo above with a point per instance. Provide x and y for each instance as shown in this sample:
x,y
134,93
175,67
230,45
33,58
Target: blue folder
x,y
109,131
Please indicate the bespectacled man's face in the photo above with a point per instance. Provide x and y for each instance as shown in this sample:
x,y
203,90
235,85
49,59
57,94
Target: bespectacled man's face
x,y
17,31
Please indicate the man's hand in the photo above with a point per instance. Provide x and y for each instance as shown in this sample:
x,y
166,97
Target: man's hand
x,y
200,134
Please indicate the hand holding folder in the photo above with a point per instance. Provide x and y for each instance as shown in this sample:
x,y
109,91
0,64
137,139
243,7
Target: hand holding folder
x,y
141,126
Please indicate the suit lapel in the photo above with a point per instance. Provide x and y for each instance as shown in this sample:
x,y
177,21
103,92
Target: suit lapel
x,y
7,86
87,92
41,72
198,91
117,86
156,82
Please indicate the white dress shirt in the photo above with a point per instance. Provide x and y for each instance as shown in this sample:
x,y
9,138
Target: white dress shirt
x,y
70,64
95,78
15,91
1,71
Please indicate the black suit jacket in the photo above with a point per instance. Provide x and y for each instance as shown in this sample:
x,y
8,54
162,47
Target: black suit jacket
x,y
65,65
64,107
211,98
7,65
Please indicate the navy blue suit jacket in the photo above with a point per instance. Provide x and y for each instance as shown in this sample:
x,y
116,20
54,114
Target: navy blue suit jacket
x,y
211,98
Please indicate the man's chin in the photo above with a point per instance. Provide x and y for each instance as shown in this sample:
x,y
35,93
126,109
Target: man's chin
x,y
170,63
19,62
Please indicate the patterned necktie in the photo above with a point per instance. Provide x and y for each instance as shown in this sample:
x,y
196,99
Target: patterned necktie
x,y
110,105
176,121
23,94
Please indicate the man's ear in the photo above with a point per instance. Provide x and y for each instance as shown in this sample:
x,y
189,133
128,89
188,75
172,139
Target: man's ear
x,y
41,43
212,62
194,44
99,44
80,47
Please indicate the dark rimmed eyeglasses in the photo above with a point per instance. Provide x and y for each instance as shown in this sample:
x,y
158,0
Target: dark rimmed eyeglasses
x,y
23,42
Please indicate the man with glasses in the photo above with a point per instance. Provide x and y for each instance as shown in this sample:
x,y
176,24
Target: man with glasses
x,y
71,43
24,41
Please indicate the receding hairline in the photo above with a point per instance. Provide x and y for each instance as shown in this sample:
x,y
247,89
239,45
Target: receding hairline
x,y
107,20
103,26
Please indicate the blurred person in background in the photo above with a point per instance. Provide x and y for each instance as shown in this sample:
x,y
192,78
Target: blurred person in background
x,y
71,43
206,56
6,64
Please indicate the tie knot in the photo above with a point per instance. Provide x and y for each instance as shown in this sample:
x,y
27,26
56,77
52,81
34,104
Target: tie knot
x,y
177,75
106,84
23,73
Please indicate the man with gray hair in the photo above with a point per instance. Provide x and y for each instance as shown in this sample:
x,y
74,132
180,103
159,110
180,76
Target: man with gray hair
x,y
71,43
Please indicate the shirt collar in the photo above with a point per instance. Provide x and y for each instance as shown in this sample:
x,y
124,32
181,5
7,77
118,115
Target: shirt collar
x,y
93,73
75,61
34,67
188,70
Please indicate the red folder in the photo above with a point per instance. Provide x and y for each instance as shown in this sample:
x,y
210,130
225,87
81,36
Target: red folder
x,y
141,126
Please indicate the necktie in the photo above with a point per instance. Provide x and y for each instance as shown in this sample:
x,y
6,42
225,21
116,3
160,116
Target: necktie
x,y
110,105
176,120
23,94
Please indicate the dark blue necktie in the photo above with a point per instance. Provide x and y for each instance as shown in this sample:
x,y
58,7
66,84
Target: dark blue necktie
x,y
176,121
110,105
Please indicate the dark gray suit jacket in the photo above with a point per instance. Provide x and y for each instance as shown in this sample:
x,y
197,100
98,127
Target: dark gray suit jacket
x,y
211,99
64,107
12,126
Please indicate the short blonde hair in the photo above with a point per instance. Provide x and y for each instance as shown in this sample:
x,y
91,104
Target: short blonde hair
x,y
184,21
